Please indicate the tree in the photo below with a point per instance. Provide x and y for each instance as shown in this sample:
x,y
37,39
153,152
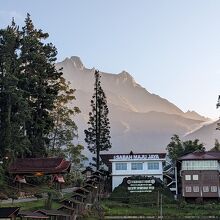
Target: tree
x,y
65,129
98,132
39,80
177,148
13,108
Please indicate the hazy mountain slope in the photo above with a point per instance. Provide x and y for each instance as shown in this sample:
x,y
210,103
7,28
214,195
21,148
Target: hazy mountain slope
x,y
195,115
121,84
139,120
206,134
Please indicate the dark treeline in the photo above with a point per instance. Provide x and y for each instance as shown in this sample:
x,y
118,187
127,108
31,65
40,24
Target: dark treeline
x,y
35,117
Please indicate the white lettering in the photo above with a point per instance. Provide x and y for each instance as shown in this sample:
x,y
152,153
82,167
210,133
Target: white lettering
x,y
136,157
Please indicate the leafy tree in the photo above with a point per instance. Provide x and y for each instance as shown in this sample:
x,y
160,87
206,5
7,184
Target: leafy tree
x,y
65,129
177,148
39,81
98,133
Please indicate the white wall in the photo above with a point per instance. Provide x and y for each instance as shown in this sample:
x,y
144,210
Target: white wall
x,y
119,175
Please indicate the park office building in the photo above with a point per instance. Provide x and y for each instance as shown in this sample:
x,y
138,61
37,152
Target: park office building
x,y
200,175
126,165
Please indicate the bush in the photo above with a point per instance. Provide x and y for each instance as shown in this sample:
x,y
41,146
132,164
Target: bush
x,y
38,195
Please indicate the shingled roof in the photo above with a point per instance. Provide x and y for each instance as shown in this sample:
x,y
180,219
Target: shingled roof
x,y
45,165
209,155
8,212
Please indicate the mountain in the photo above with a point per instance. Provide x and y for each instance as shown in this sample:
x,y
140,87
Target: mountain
x,y
139,120
195,115
206,134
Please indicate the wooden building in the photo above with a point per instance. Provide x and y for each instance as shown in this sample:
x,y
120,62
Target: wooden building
x,y
9,213
200,175
55,167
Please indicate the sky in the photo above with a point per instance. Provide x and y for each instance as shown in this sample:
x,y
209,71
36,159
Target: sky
x,y
170,47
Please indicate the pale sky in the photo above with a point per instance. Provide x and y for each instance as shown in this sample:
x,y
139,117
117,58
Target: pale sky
x,y
170,47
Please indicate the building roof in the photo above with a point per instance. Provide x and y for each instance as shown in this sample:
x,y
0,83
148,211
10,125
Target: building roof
x,y
40,165
32,215
81,189
52,212
8,212
201,156
78,194
66,207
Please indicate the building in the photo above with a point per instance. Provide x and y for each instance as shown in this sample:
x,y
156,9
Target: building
x,y
200,175
126,165
55,167
9,213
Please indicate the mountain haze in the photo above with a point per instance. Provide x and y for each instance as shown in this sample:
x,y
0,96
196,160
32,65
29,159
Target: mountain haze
x,y
140,121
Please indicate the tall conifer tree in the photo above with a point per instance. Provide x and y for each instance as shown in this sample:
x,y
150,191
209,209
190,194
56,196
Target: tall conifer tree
x,y
39,80
13,109
98,132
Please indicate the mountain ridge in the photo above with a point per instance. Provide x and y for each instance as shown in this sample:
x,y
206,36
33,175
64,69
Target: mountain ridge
x,y
148,119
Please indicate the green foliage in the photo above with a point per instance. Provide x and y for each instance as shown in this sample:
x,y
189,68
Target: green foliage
x,y
98,132
13,110
177,148
39,81
65,129
13,196
38,195
35,114
145,199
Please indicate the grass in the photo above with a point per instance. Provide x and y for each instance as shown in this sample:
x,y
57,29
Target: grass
x,y
112,208
31,205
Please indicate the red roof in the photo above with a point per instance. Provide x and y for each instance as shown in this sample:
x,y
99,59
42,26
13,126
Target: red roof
x,y
201,156
45,165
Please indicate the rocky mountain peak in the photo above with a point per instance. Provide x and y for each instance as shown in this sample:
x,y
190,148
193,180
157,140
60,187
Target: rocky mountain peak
x,y
75,61
126,77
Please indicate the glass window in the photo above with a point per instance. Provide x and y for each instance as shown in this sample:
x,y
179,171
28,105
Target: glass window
x,y
187,177
153,166
205,189
188,189
137,166
200,165
195,188
213,188
195,177
121,166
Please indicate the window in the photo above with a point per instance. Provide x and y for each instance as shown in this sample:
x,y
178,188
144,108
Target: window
x,y
188,189
213,188
137,166
200,165
153,166
195,188
121,166
195,177
187,177
205,189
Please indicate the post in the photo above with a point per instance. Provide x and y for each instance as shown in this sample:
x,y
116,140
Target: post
x,y
161,206
176,179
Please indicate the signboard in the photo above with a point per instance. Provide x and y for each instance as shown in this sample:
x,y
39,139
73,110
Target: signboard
x,y
138,185
136,157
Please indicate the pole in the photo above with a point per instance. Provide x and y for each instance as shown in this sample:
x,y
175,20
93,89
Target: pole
x,y
161,206
176,181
